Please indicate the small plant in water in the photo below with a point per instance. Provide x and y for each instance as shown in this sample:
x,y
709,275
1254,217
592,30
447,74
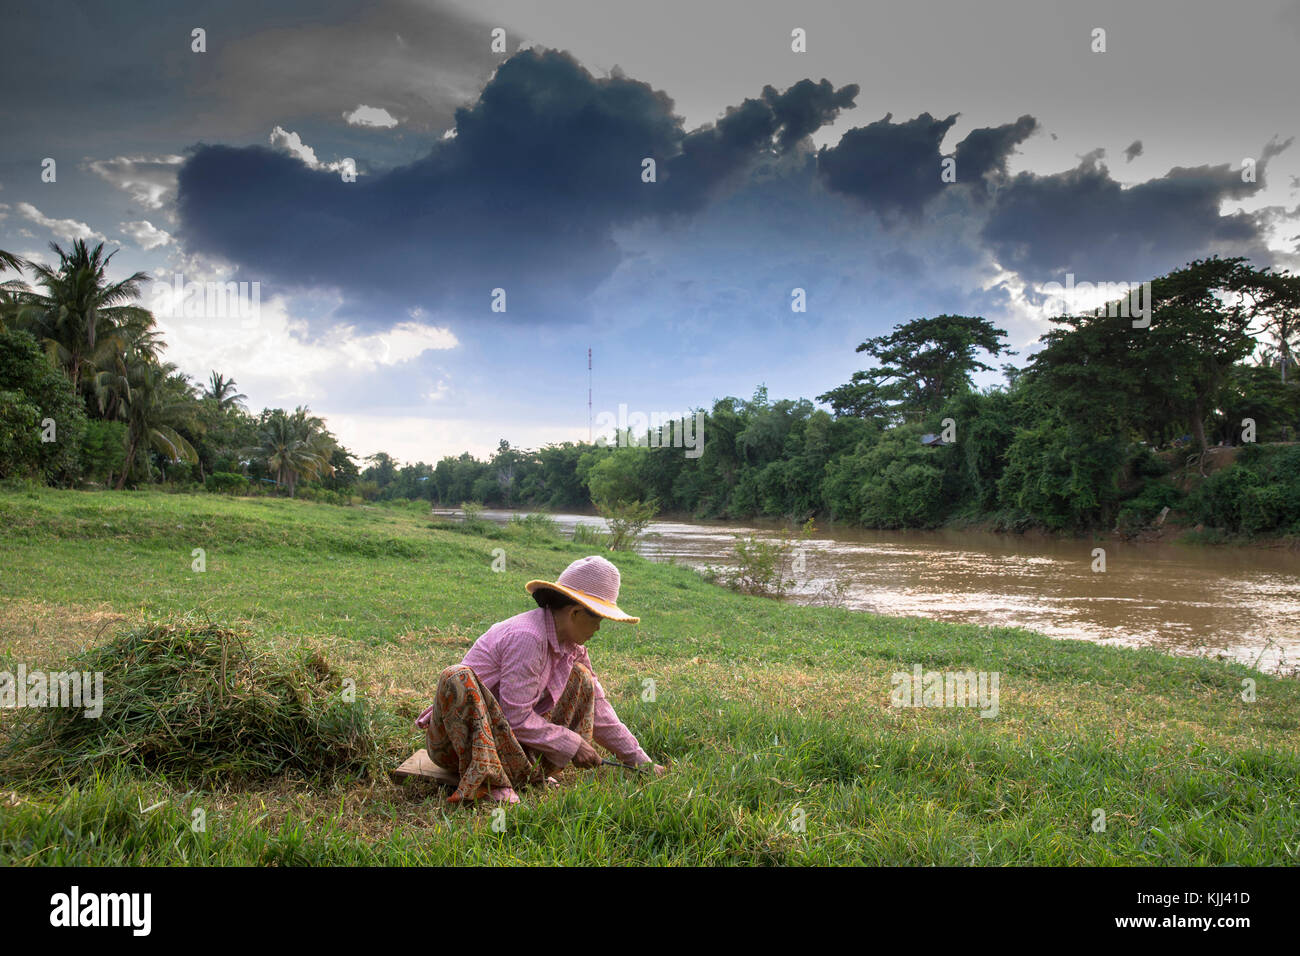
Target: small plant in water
x,y
627,521
767,568
474,520
535,526
589,536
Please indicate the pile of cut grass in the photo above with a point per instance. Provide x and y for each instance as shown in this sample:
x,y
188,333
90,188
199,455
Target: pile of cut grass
x,y
198,701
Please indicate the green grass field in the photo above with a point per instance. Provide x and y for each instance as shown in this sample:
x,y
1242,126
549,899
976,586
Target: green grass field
x,y
773,715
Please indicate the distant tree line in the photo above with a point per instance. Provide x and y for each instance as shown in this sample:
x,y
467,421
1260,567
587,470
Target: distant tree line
x,y
1106,425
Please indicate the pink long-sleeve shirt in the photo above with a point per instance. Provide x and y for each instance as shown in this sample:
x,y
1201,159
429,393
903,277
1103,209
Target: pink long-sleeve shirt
x,y
522,663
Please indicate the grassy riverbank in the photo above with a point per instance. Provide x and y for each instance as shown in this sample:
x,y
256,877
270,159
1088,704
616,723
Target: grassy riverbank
x,y
771,714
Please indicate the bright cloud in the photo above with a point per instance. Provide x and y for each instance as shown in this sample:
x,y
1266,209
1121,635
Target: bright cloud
x,y
269,350
149,180
400,344
287,141
370,116
65,229
146,234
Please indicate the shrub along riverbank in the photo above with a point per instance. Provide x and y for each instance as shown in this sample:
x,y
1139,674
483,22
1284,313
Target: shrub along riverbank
x,y
777,718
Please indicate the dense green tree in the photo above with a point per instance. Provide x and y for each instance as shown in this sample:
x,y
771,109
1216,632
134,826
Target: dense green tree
x,y
382,469
923,363
616,477
1279,314
1200,328
986,425
36,402
560,485
1256,392
507,468
344,473
103,451
1113,379
893,482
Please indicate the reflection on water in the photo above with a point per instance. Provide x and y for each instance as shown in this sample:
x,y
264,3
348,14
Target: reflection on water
x,y
1240,602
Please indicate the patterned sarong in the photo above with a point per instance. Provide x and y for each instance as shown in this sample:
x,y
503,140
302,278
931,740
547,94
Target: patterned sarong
x,y
469,733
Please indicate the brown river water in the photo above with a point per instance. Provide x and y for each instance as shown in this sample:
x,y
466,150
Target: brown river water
x,y
1241,603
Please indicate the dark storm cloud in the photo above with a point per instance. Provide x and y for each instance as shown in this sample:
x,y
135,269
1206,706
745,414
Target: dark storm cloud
x,y
806,107
890,167
1133,150
895,168
1082,221
524,197
545,169
983,153
711,155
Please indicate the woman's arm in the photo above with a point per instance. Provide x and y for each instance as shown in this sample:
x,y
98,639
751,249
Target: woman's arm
x,y
609,731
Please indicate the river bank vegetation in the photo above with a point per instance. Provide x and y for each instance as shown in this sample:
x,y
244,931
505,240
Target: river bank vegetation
x,y
1191,421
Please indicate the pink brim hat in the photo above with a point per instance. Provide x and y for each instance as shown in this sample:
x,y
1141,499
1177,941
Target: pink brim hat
x,y
593,582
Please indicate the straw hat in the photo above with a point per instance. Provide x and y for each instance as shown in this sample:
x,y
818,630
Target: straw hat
x,y
593,583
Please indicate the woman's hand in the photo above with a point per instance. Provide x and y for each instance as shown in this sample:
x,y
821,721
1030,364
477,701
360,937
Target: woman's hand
x,y
660,771
586,756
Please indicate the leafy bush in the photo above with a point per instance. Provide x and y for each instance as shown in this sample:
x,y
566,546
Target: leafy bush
x,y
20,439
1258,494
1063,476
1263,509
181,472
894,482
1144,463
327,497
760,567
225,482
1140,511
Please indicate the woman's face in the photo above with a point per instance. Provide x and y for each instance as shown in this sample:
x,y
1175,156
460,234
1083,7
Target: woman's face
x,y
575,624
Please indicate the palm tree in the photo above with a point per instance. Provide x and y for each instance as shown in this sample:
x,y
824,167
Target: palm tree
x,y
296,446
110,385
153,400
10,261
10,289
222,391
81,318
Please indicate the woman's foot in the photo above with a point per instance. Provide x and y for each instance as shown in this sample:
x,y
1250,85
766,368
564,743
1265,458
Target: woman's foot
x,y
504,795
